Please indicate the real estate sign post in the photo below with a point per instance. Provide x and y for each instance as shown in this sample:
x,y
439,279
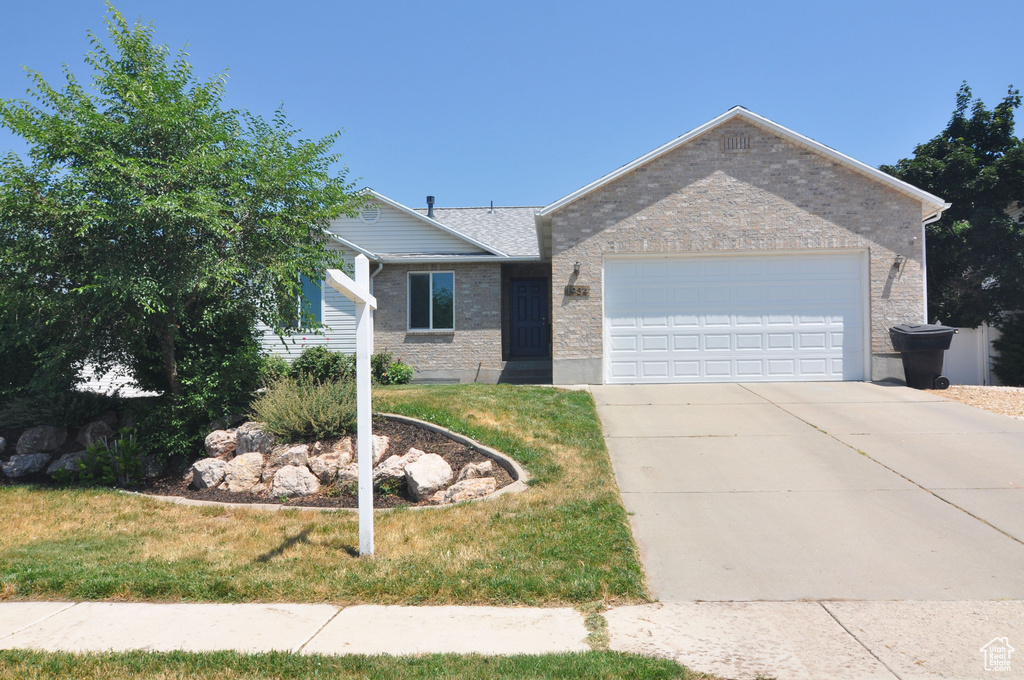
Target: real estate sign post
x,y
359,292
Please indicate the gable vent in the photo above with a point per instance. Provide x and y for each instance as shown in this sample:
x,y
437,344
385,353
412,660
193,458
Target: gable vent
x,y
735,143
370,214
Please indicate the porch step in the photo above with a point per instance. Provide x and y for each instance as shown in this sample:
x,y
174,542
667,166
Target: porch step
x,y
527,372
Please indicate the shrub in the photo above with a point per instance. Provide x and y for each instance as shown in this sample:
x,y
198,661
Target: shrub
x,y
1008,365
388,369
113,463
319,364
272,368
303,411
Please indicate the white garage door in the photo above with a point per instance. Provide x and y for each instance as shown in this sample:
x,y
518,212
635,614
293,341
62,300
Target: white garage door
x,y
734,318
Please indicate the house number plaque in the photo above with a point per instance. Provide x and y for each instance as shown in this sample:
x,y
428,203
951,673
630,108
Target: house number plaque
x,y
577,291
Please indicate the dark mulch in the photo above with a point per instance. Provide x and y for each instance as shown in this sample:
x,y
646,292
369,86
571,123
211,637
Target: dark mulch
x,y
403,437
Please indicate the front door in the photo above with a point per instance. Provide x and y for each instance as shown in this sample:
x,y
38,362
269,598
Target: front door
x,y
529,318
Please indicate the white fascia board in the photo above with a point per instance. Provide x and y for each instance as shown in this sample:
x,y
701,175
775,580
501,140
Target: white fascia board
x,y
469,259
344,242
931,204
434,223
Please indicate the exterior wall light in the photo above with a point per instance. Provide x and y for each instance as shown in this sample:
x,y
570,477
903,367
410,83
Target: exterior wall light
x,y
576,268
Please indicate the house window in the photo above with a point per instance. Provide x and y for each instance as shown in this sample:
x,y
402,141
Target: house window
x,y
309,304
431,301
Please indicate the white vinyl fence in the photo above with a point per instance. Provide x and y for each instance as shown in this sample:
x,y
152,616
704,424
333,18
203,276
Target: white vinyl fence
x,y
968,360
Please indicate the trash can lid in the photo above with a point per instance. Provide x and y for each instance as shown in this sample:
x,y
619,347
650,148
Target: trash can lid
x,y
923,329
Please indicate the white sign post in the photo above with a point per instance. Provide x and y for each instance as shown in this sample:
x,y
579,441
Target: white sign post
x,y
359,292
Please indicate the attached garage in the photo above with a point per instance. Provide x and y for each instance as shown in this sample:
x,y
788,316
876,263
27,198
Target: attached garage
x,y
764,317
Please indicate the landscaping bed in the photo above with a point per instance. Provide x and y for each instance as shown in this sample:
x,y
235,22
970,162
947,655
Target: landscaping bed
x,y
401,436
1007,401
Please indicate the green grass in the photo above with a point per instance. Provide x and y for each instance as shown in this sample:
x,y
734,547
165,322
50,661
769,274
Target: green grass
x,y
565,541
233,666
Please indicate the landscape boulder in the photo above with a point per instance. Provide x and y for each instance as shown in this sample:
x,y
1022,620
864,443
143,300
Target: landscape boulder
x,y
208,473
394,467
220,443
347,474
294,481
466,490
380,447
424,476
282,456
242,473
66,463
23,464
250,438
95,431
41,439
475,470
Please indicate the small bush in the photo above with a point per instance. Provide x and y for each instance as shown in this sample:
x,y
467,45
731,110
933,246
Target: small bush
x,y
1008,365
388,369
113,463
321,365
272,368
303,411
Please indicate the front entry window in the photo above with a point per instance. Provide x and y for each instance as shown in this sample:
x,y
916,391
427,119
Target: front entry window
x,y
432,301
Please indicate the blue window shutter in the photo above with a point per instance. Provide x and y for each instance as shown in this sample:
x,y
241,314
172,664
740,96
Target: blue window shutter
x,y
312,299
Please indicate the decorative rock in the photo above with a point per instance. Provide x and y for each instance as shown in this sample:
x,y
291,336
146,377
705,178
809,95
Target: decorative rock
x,y
94,432
326,467
394,467
242,473
66,463
251,438
22,464
470,488
426,475
208,473
348,474
475,470
220,444
380,447
44,438
281,456
294,481
343,449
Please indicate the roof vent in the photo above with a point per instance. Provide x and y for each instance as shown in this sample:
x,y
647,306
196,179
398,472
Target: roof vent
x,y
430,207
738,143
370,214
491,211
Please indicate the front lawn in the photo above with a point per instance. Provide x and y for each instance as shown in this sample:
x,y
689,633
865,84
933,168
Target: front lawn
x,y
281,666
565,541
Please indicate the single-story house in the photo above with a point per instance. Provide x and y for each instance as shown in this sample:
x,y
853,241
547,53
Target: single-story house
x,y
741,251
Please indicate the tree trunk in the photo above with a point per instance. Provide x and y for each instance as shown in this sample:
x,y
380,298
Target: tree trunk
x,y
167,342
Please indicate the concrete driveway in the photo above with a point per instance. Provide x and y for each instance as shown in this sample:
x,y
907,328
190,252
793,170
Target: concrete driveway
x,y
821,491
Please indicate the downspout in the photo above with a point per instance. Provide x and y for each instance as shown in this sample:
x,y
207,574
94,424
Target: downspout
x,y
380,265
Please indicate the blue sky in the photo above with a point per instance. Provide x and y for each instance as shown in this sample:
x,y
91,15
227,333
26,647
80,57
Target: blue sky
x,y
524,102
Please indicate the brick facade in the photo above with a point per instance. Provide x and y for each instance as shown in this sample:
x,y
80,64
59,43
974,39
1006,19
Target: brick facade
x,y
470,353
715,194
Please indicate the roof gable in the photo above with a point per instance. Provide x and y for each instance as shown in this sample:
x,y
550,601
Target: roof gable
x,y
399,230
931,205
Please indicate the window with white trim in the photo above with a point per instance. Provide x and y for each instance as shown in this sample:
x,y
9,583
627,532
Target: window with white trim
x,y
431,301
310,303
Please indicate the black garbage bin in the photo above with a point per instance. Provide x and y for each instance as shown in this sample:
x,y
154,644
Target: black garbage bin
x,y
922,347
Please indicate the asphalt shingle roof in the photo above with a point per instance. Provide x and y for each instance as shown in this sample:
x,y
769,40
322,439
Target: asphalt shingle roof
x,y
510,230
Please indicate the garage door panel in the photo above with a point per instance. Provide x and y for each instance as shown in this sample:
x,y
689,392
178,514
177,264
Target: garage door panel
x,y
790,317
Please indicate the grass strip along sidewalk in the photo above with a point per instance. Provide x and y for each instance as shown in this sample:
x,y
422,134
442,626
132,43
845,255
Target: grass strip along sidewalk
x,y
234,666
565,541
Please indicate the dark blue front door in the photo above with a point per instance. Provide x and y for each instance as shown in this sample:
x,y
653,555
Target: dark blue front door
x,y
529,318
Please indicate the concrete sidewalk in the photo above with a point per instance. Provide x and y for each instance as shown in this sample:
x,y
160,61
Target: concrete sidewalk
x,y
806,640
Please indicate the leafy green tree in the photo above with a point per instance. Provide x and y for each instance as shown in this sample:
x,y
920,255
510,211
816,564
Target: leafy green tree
x,y
157,223
976,251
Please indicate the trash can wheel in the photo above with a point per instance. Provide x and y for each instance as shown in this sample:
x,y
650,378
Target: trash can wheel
x,y
941,382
